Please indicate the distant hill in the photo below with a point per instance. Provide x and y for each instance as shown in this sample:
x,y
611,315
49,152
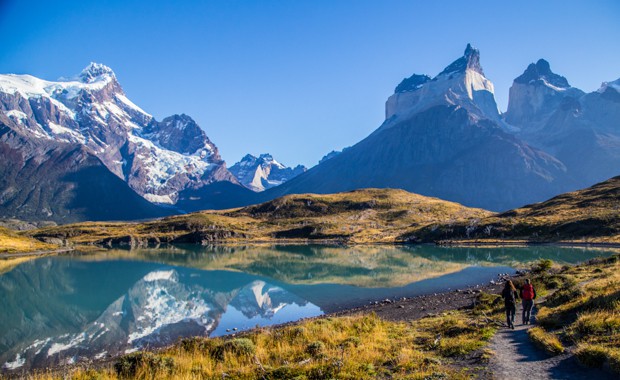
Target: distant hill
x,y
361,216
588,215
370,216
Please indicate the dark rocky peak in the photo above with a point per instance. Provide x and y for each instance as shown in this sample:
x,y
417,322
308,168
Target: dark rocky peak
x,y
179,133
249,158
180,122
266,157
541,71
412,83
95,72
469,61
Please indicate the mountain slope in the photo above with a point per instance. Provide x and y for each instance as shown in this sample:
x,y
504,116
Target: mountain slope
x,y
62,182
442,137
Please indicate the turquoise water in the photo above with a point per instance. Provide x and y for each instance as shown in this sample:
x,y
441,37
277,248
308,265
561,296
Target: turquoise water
x,y
65,309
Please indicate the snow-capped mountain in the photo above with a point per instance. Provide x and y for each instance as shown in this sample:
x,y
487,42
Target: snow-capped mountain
x,y
157,159
442,137
263,172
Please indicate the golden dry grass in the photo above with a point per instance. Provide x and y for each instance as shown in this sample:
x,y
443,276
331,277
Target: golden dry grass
x,y
357,347
356,217
12,242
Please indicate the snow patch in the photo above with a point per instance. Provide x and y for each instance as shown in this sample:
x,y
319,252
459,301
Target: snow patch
x,y
19,116
162,199
18,362
167,275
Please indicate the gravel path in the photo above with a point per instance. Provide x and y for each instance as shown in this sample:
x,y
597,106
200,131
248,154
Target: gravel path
x,y
516,358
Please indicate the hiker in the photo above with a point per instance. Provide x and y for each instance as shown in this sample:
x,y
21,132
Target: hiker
x,y
528,295
509,294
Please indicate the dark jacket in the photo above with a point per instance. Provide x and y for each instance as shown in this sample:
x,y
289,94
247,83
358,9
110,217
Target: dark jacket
x,y
510,297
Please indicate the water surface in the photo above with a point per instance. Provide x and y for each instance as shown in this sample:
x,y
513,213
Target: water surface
x,y
64,309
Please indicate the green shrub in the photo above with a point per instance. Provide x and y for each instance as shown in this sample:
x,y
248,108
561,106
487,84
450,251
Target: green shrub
x,y
351,341
591,355
241,347
315,349
129,365
285,373
563,296
198,344
542,266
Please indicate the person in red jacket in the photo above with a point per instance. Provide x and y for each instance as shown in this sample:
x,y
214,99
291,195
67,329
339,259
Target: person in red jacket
x,y
528,294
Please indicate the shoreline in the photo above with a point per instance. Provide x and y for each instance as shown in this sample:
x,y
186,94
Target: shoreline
x,y
334,243
8,256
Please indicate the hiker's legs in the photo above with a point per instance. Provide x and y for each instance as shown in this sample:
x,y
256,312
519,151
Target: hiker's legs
x,y
510,315
527,310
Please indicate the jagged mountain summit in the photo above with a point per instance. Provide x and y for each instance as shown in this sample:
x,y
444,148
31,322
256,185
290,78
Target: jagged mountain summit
x,y
443,137
157,159
461,83
263,172
580,129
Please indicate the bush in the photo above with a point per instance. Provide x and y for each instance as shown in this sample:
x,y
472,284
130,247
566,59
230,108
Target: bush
x,y
286,373
598,323
591,355
563,296
542,266
242,347
548,342
198,344
130,365
351,341
315,349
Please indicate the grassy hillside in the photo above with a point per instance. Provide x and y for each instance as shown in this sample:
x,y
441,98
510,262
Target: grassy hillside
x,y
12,242
589,215
362,216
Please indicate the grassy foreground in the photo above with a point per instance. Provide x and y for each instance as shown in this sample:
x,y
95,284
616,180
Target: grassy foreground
x,y
583,315
357,347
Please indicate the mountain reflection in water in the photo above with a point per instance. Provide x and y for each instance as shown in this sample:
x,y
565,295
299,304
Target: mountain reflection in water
x,y
67,308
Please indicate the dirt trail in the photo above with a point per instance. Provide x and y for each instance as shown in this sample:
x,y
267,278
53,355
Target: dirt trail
x,y
516,358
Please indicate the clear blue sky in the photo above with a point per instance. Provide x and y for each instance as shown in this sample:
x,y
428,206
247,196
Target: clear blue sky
x,y
300,78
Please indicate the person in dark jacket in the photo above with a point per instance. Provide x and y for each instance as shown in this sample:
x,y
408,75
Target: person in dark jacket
x,y
509,294
528,295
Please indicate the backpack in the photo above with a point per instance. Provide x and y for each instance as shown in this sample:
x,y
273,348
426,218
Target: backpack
x,y
527,292
509,296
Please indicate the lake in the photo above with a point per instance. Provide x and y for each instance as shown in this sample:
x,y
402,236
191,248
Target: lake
x,y
69,308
